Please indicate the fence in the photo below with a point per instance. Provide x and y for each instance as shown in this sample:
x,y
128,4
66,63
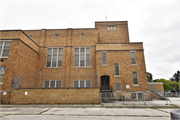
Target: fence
x,y
173,94
56,79
125,97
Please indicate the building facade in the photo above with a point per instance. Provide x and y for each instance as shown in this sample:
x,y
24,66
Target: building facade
x,y
89,57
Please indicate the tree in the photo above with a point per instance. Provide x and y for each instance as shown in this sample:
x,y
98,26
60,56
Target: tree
x,y
174,86
149,76
166,85
175,77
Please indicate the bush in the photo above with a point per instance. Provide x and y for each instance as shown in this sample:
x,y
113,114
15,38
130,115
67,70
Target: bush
x,y
121,98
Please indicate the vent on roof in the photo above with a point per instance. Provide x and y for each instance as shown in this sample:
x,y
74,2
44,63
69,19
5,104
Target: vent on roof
x,y
31,36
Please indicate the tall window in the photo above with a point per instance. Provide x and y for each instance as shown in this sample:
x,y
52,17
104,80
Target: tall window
x,y
104,58
4,49
2,72
52,84
133,58
54,57
82,57
135,78
82,83
118,86
116,68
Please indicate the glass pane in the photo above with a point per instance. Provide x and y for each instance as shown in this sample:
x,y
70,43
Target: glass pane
x,y
88,60
1,44
55,51
82,60
118,86
76,60
76,50
48,61
104,61
133,61
6,48
76,83
60,50
60,60
54,61
52,85
49,51
58,84
116,65
88,83
140,96
134,74
82,50
81,83
133,95
46,84
88,50
1,78
132,54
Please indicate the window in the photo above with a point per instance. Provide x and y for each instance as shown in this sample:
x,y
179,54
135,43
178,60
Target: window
x,y
82,57
4,49
133,58
54,57
82,35
111,27
137,96
118,86
116,67
31,36
52,84
82,83
104,58
56,35
135,78
2,72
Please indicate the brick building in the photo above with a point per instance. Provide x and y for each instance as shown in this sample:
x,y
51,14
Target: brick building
x,y
100,57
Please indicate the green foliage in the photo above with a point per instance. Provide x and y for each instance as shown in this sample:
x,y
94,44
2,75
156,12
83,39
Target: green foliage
x,y
121,98
166,84
149,76
174,86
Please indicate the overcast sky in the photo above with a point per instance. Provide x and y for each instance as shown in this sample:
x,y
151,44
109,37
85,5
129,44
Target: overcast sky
x,y
155,23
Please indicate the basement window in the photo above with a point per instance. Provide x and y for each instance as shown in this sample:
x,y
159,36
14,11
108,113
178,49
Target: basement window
x,y
137,96
31,36
82,35
56,36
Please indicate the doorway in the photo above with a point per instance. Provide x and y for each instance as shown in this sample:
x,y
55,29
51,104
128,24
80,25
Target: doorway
x,y
105,83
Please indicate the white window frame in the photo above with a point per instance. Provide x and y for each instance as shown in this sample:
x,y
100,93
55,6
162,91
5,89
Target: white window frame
x,y
115,71
50,83
137,79
80,56
102,58
131,57
56,58
3,48
111,27
84,83
120,87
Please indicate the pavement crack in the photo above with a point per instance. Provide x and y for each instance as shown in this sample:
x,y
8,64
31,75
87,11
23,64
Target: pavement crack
x,y
44,111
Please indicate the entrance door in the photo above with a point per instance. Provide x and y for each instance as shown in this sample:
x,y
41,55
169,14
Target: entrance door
x,y
105,83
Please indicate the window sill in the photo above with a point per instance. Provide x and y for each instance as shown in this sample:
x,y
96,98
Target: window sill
x,y
117,76
135,85
105,65
110,29
134,64
3,57
118,91
82,67
54,67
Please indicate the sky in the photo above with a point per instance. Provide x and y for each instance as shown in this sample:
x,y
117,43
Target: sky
x,y
156,23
